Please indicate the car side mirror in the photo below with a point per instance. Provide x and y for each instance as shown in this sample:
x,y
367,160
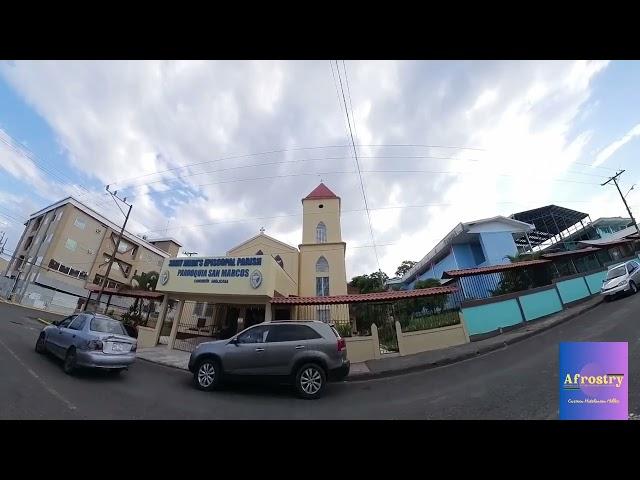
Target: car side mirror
x,y
234,341
55,323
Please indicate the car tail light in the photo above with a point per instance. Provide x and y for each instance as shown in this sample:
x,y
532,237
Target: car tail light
x,y
94,345
342,344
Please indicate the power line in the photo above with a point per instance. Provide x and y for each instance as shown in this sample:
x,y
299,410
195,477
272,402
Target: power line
x,y
302,160
24,152
355,153
342,172
284,150
391,207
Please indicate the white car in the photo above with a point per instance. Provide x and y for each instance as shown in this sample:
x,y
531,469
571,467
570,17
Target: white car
x,y
621,278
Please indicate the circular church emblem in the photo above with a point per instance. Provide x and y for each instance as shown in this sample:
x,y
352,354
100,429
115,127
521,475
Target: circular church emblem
x,y
255,278
164,278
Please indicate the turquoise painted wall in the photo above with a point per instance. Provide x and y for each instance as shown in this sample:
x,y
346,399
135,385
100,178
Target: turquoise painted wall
x,y
595,281
540,304
486,318
572,290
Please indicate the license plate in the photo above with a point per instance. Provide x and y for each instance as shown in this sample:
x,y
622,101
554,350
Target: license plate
x,y
120,347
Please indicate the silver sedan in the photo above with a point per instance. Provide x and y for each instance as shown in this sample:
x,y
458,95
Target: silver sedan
x,y
88,340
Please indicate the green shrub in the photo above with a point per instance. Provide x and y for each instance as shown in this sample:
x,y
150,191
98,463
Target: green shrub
x,y
344,329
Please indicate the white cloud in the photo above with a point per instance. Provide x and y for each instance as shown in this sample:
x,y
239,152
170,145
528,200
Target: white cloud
x,y
613,147
118,120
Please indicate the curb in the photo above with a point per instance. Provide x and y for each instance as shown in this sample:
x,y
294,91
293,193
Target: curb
x,y
469,355
41,320
162,364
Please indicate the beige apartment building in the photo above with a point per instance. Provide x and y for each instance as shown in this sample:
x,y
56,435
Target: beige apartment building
x,y
68,245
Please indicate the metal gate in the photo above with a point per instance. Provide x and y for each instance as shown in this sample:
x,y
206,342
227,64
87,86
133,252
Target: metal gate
x,y
199,322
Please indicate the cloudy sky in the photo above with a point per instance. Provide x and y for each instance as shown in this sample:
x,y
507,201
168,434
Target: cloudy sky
x,y
209,152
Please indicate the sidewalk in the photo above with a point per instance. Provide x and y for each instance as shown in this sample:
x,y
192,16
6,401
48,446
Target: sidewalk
x,y
386,367
396,365
162,355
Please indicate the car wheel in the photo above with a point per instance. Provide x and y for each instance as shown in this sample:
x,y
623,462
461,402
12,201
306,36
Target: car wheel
x,y
70,360
207,374
634,287
40,345
310,381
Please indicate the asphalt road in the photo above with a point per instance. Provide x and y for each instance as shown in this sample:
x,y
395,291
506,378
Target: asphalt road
x,y
517,382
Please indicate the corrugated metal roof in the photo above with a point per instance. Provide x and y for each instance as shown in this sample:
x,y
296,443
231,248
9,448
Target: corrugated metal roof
x,y
571,253
468,272
125,293
364,297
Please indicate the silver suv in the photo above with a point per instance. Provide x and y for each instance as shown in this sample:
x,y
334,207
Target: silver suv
x,y
305,353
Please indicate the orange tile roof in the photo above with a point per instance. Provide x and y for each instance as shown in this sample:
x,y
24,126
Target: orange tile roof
x,y
388,296
321,191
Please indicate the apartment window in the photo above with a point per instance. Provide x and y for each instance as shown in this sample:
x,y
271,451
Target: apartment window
x,y
37,223
80,223
124,245
72,272
58,216
322,286
49,237
38,261
28,243
197,310
71,244
321,233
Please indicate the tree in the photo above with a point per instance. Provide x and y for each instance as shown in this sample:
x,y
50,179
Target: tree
x,y
373,282
144,281
362,312
525,278
433,304
404,267
427,283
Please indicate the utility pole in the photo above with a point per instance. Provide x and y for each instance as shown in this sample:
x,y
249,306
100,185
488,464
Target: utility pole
x,y
614,179
105,279
2,246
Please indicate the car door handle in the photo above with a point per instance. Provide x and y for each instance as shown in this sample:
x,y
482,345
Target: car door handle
x,y
298,347
259,349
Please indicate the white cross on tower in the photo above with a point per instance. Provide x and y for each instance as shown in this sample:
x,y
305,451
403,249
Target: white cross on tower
x,y
261,229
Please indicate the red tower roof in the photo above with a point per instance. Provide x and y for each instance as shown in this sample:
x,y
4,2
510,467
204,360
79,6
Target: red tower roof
x,y
321,191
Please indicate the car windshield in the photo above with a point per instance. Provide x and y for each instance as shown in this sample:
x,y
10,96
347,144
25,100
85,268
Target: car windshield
x,y
107,325
616,272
